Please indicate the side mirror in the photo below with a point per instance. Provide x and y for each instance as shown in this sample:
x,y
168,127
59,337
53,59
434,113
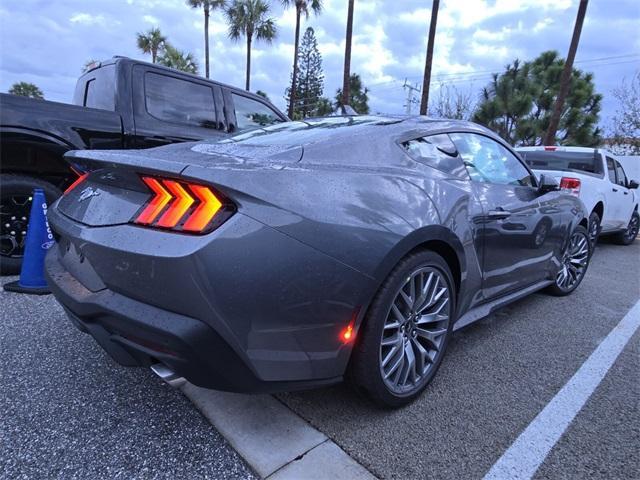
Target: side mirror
x,y
633,184
547,184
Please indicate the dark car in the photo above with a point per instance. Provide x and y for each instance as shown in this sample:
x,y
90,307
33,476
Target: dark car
x,y
291,256
119,103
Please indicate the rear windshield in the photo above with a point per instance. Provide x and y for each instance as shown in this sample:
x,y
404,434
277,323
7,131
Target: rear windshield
x,y
565,161
96,89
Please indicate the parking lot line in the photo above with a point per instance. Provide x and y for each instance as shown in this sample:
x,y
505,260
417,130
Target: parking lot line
x,y
523,458
275,441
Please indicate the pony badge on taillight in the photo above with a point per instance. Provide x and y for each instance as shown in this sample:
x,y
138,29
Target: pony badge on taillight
x,y
183,206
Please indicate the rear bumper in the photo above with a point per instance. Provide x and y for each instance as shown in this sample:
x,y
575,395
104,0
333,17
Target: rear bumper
x,y
138,334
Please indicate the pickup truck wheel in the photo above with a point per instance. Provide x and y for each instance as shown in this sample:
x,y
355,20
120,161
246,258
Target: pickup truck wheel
x,y
15,207
594,229
627,236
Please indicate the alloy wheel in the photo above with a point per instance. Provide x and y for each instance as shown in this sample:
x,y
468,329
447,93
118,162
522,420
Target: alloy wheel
x,y
415,330
594,230
574,261
14,217
632,228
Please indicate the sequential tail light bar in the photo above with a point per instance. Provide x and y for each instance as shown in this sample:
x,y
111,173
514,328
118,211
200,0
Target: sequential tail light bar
x,y
571,185
76,182
183,206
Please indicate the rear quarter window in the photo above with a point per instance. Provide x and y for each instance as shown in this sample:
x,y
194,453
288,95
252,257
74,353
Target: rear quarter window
x,y
437,151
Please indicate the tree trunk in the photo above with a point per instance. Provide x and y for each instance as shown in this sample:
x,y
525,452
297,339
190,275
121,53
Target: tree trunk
x,y
424,103
347,56
206,40
292,95
248,61
565,78
154,54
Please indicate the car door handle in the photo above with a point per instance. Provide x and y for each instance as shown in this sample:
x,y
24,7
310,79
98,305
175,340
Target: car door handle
x,y
626,193
498,214
614,189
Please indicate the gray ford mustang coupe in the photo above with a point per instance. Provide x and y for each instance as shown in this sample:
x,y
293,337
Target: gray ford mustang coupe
x,y
299,254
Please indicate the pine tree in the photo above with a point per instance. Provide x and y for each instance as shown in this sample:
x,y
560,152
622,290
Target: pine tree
x,y
310,78
518,103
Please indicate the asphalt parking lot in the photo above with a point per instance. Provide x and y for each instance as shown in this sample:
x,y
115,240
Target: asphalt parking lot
x,y
498,375
68,411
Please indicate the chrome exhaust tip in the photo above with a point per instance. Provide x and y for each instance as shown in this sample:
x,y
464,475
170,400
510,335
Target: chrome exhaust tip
x,y
168,375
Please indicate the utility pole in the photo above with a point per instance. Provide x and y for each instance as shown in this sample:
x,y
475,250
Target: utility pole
x,y
427,66
410,99
565,78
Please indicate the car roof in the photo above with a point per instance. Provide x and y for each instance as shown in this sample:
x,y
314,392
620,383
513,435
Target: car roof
x,y
316,130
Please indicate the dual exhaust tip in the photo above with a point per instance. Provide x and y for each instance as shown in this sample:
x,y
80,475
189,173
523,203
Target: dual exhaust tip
x,y
169,376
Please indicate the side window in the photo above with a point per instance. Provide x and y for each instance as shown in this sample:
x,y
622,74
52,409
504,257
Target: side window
x,y
488,161
437,151
611,169
179,101
622,178
253,114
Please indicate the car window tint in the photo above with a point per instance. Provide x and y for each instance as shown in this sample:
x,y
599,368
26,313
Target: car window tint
x,y
561,160
179,101
611,169
100,90
253,114
622,177
488,161
437,151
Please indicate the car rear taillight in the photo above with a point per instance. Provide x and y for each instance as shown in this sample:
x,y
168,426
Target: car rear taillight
x,y
571,185
77,182
183,206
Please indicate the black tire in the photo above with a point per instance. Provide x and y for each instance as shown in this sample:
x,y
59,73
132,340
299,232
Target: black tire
x,y
628,236
17,188
559,288
594,229
366,367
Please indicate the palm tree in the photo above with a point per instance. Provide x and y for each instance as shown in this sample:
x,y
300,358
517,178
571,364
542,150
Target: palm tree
x,y
248,18
347,56
151,42
427,66
302,6
207,6
565,78
174,58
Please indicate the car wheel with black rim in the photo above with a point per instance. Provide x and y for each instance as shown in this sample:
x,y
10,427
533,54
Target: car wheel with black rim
x,y
405,332
627,236
15,207
574,263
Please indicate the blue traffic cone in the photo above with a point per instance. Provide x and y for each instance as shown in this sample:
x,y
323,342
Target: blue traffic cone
x,y
39,240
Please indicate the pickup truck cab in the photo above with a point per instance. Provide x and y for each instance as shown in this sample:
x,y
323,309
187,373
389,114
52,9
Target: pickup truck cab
x,y
598,179
118,104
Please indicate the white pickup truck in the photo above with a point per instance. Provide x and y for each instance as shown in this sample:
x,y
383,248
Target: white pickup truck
x,y
598,179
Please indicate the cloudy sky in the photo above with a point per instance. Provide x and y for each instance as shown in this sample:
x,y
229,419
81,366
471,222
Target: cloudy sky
x,y
47,42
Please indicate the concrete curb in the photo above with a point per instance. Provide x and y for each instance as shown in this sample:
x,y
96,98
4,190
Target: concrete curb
x,y
276,442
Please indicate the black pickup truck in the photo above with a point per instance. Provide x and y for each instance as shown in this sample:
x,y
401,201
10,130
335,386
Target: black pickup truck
x,y
119,103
